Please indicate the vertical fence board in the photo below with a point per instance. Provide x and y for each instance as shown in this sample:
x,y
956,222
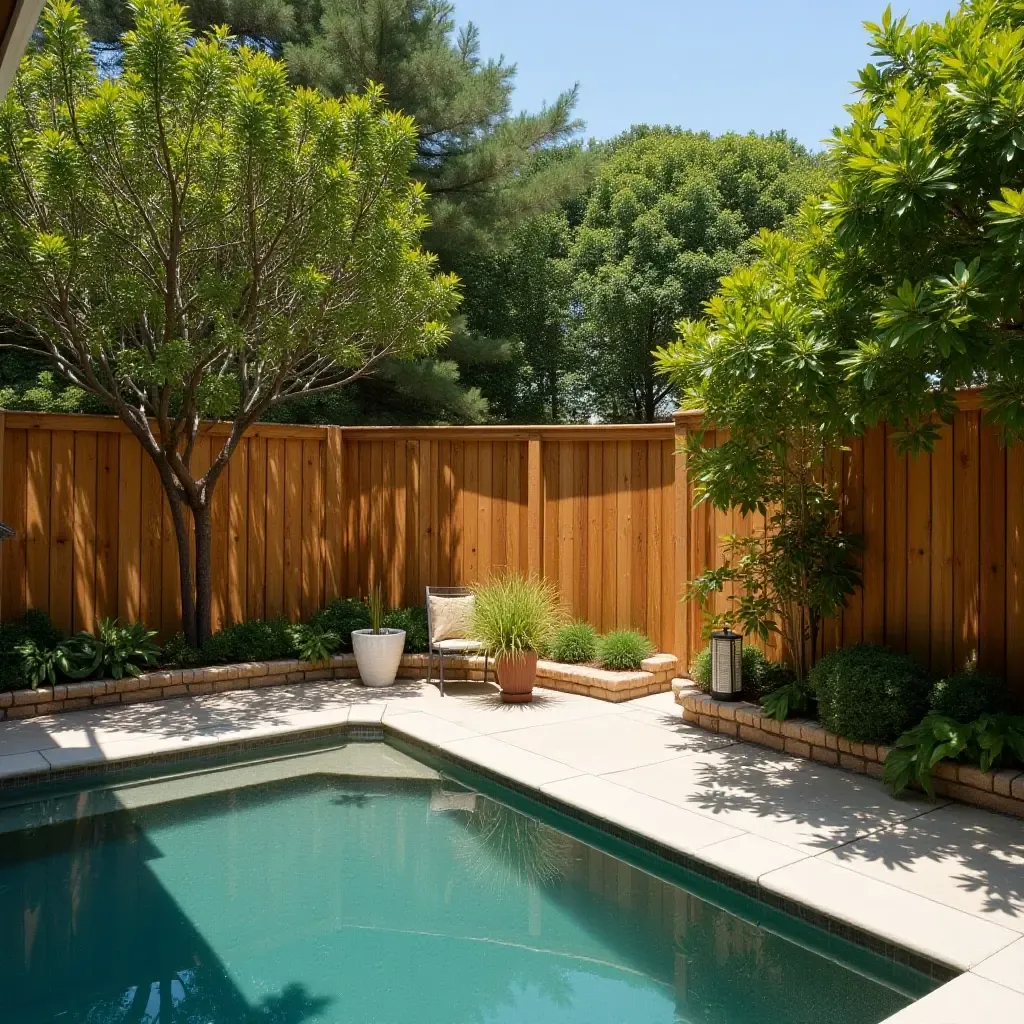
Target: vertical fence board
x,y
941,598
238,533
966,537
220,543
874,535
623,534
595,570
151,504
129,528
992,553
256,515
37,520
275,527
312,594
640,580
1015,570
919,543
108,468
334,515
895,551
853,524
62,496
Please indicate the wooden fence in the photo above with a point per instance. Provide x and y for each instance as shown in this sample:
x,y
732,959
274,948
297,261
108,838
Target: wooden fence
x,y
943,546
306,514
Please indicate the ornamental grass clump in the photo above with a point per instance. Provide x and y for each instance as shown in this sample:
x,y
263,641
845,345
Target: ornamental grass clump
x,y
623,649
575,643
514,615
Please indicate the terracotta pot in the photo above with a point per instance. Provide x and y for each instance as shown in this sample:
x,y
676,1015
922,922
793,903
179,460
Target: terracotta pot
x,y
516,675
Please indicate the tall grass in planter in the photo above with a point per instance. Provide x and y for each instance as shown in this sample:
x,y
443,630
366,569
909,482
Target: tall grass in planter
x,y
515,617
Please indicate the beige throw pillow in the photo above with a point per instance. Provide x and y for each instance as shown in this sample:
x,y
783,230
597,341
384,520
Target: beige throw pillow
x,y
449,617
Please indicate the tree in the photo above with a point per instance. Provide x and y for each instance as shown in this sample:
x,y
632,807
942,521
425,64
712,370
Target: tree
x,y
765,366
486,169
196,238
928,212
670,214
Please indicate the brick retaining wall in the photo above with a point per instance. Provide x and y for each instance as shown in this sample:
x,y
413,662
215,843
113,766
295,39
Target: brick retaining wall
x,y
997,791
655,676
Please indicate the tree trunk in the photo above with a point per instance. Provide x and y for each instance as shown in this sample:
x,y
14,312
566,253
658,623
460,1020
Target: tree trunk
x,y
204,580
188,587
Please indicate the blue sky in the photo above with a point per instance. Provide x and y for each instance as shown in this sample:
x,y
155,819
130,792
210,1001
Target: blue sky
x,y
725,65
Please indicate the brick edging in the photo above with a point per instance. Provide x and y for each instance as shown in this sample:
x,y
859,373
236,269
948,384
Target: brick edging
x,y
997,791
655,677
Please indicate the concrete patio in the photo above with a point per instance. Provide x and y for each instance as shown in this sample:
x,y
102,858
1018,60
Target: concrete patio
x,y
944,881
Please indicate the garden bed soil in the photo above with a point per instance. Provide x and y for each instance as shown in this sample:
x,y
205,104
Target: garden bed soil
x,y
996,791
654,676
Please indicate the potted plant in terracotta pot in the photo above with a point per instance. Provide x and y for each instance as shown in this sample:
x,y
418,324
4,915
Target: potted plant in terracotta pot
x,y
514,618
378,650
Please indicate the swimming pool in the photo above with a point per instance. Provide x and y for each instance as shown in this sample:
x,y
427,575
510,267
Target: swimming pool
x,y
356,884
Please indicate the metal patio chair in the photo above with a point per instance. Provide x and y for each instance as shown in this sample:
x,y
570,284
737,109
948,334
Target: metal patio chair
x,y
451,647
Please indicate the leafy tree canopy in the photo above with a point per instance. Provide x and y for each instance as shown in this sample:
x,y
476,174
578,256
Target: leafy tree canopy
x,y
928,213
194,237
670,214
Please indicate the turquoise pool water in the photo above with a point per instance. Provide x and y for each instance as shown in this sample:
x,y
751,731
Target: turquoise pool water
x,y
355,885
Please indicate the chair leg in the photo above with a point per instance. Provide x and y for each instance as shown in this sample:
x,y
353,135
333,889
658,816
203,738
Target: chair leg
x,y
430,655
440,663
485,666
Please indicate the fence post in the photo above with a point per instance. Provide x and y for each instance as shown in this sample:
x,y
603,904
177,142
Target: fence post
x,y
334,515
683,639
535,506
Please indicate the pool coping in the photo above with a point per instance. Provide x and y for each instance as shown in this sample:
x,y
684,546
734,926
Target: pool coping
x,y
373,726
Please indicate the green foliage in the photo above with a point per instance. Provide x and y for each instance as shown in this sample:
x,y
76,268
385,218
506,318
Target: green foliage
x,y
414,621
313,643
990,742
195,237
342,616
760,676
928,211
623,649
113,651
253,640
968,695
179,653
514,614
575,643
869,693
765,367
787,700
34,625
670,214
44,664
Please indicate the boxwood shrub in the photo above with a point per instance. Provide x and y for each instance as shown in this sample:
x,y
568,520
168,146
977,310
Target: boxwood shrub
x,y
969,695
869,693
254,640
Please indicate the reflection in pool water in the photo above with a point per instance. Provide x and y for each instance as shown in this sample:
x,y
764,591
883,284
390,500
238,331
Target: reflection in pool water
x,y
329,898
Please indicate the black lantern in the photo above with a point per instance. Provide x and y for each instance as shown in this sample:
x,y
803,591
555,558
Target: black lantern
x,y
726,665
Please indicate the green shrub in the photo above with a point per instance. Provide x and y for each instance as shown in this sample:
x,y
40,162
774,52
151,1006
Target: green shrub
x,y
254,640
869,693
968,695
113,651
342,616
575,643
513,614
414,621
760,676
313,643
35,626
179,653
623,649
44,665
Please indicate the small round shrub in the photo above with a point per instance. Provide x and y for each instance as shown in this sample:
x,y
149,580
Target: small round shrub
x,y
414,621
342,616
760,676
179,653
575,643
623,649
869,693
34,625
968,695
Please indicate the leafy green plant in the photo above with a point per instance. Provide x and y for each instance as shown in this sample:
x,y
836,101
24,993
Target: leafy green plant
x,y
575,643
253,640
313,643
179,653
990,742
376,607
869,693
414,621
789,699
623,649
342,616
114,650
968,695
34,625
513,614
44,664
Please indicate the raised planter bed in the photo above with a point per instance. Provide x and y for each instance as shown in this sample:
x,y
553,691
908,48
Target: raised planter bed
x,y
654,677
997,791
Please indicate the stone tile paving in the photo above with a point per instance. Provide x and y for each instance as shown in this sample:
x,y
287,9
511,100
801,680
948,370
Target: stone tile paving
x,y
945,881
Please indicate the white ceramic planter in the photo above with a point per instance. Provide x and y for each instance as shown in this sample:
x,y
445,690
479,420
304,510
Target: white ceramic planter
x,y
378,655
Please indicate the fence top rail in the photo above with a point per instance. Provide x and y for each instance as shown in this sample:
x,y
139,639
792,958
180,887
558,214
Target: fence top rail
x,y
20,420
